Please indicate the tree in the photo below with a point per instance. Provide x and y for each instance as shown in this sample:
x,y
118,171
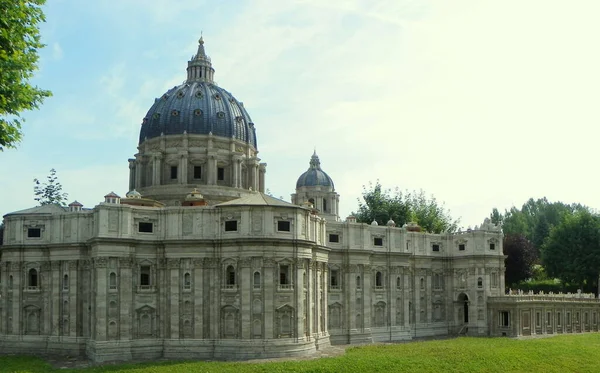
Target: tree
x,y
50,191
380,205
572,250
19,44
521,257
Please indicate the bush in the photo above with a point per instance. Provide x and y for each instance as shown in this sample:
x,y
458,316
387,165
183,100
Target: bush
x,y
546,286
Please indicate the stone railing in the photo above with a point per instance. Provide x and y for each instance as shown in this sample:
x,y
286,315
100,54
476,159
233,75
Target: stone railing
x,y
530,296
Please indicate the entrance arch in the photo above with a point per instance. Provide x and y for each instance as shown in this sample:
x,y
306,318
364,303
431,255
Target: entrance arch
x,y
463,301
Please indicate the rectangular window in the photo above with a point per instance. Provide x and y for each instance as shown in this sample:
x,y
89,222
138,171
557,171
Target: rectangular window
x,y
284,275
34,232
504,319
145,276
334,279
548,318
461,247
558,319
435,247
220,174
145,227
283,226
197,172
378,241
538,321
173,172
334,238
231,226
568,318
492,246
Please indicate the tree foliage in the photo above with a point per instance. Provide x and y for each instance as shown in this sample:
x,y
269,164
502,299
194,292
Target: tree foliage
x,y
572,250
50,191
380,205
19,44
533,222
521,257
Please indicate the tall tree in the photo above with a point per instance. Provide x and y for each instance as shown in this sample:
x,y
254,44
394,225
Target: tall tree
x,y
572,250
19,44
521,257
50,191
380,205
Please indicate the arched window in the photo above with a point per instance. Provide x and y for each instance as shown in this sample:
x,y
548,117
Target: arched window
x,y
65,281
398,282
187,281
422,283
33,278
230,279
256,280
378,280
10,282
358,283
325,205
112,280
479,282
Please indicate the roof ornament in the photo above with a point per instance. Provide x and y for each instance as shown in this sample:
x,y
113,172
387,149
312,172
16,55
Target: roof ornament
x,y
314,160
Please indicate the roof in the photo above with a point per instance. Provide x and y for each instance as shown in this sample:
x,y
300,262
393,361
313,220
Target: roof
x,y
44,209
257,199
198,106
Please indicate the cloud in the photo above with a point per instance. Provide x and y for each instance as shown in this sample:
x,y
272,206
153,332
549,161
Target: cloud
x,y
57,52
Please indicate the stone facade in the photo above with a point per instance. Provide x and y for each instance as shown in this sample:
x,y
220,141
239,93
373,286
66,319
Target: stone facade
x,y
198,263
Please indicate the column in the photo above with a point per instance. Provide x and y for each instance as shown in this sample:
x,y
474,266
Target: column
x,y
428,294
138,174
131,174
173,301
126,305
198,288
351,296
156,168
299,297
367,292
245,284
211,172
55,291
268,293
310,311
406,297
17,293
325,308
183,167
100,265
261,177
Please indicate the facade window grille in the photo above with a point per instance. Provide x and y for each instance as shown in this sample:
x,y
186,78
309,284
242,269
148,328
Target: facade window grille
x,y
256,280
377,241
34,232
197,172
492,246
230,279
378,280
33,278
334,238
145,227
220,174
435,247
173,172
231,226
283,226
284,274
461,247
334,282
145,276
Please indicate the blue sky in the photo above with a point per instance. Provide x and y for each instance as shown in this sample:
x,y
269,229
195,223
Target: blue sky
x,y
481,103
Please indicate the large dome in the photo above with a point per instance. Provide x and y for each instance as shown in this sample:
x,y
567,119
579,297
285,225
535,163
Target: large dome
x,y
314,176
198,106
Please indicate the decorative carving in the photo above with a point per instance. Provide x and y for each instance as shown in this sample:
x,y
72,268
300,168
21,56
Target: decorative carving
x,y
113,221
55,265
100,262
269,262
172,263
198,263
125,262
245,262
187,224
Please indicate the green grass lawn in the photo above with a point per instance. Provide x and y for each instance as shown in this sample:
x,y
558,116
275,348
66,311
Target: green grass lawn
x,y
573,353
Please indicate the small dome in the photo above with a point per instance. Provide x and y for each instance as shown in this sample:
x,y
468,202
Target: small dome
x,y
75,204
391,223
194,195
314,176
374,223
133,194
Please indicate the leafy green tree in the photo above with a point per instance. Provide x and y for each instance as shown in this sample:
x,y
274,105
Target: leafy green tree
x,y
19,44
380,205
50,191
572,250
521,257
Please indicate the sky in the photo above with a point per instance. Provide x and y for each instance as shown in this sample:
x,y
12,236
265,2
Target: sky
x,y
481,104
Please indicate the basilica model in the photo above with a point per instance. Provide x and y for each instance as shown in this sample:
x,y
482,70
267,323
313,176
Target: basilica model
x,y
197,262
